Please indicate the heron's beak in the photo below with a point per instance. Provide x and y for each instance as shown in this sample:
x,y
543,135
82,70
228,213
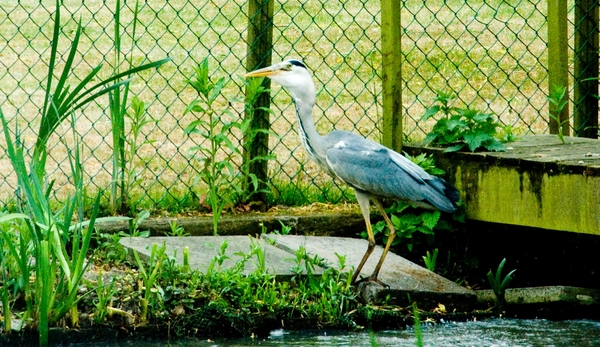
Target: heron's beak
x,y
267,71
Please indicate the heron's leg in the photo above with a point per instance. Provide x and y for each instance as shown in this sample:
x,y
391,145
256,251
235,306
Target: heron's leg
x,y
391,237
363,202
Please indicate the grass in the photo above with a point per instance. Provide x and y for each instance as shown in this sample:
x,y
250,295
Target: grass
x,y
495,63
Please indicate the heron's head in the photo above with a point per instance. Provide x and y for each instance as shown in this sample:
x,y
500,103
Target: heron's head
x,y
290,74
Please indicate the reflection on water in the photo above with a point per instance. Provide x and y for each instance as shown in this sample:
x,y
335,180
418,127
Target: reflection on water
x,y
488,333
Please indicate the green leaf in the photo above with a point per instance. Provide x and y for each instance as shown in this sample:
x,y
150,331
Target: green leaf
x,y
430,219
495,145
430,112
455,148
475,139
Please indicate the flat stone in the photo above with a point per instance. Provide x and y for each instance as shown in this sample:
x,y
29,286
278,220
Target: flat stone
x,y
543,295
403,277
203,249
406,280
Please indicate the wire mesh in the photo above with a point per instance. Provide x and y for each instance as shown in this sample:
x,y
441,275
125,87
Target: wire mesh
x,y
492,54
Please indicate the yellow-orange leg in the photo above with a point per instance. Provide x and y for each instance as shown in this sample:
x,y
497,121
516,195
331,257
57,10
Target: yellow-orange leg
x,y
363,202
391,237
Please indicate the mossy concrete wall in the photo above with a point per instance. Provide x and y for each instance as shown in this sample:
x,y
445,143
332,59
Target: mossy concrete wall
x,y
537,182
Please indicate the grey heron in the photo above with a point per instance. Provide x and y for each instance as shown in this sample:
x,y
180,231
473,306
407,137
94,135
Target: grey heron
x,y
372,170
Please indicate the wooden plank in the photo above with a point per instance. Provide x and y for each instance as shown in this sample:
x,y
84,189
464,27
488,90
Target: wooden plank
x,y
391,74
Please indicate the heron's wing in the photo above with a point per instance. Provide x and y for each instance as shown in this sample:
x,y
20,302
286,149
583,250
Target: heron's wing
x,y
373,168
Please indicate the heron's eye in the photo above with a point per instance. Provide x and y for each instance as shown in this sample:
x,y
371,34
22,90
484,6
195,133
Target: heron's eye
x,y
288,67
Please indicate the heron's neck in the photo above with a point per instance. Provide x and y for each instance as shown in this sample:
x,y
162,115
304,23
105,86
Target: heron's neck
x,y
312,141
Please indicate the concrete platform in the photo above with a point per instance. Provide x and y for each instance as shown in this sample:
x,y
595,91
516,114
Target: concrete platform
x,y
538,182
406,280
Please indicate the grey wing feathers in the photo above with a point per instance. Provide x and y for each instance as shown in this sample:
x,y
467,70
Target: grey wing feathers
x,y
372,168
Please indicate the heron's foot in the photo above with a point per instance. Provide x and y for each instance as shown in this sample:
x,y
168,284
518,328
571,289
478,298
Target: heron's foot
x,y
363,281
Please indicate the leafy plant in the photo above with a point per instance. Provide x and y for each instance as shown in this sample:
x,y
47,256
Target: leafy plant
x,y
47,236
138,118
125,143
225,186
136,223
558,102
417,325
461,127
218,173
251,183
105,294
508,134
406,224
149,276
427,163
430,260
61,100
499,284
177,230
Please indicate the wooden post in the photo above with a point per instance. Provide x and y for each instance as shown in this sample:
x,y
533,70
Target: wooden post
x,y
558,58
260,46
585,109
391,74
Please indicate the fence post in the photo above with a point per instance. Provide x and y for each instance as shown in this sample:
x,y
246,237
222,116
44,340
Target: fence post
x,y
391,74
260,46
585,109
558,58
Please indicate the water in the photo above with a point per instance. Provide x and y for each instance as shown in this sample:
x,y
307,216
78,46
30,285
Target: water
x,y
487,333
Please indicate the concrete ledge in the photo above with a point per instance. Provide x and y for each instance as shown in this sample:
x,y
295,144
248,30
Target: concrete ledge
x,y
319,223
543,295
538,182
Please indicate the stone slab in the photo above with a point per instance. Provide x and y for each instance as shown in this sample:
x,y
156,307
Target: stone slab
x,y
543,295
403,277
203,249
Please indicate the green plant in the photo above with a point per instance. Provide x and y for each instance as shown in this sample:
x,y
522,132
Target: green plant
x,y
126,144
5,282
136,223
427,163
218,173
251,183
430,260
558,102
109,248
461,127
176,230
417,325
46,237
138,118
61,100
508,134
149,276
499,284
406,224
105,294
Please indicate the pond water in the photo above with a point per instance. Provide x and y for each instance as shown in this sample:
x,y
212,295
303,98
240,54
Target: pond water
x,y
488,333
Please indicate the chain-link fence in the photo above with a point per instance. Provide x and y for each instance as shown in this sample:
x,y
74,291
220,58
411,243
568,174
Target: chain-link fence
x,y
491,54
